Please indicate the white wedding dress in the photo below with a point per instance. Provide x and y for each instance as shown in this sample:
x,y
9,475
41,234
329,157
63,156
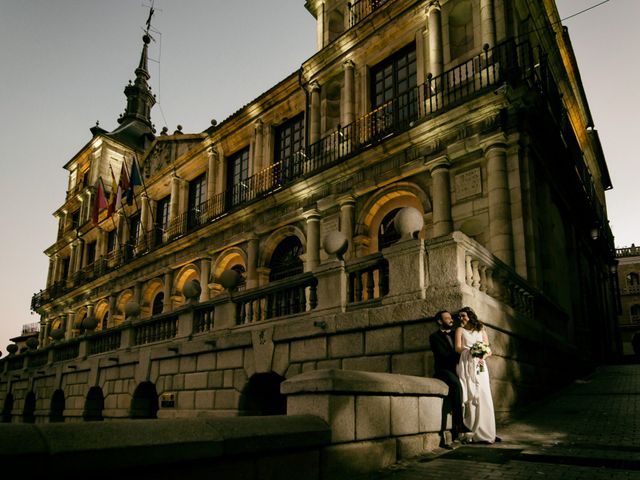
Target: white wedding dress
x,y
477,403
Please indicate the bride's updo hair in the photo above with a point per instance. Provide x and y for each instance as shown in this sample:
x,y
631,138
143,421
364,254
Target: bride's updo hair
x,y
473,324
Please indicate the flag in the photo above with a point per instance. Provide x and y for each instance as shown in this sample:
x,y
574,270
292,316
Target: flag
x,y
135,179
99,202
113,194
123,186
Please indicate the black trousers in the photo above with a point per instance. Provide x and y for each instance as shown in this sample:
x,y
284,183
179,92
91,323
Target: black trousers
x,y
454,397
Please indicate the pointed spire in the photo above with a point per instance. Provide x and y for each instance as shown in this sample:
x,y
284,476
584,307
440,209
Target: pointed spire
x,y
140,100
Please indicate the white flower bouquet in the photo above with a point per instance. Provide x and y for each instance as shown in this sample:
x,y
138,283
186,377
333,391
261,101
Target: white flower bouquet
x,y
479,350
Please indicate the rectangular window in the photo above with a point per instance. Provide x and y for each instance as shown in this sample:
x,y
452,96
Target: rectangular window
x,y
111,240
75,220
197,198
65,268
393,90
162,219
91,252
237,175
289,147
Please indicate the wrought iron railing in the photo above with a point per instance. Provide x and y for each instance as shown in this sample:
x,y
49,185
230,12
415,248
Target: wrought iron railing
x,y
360,9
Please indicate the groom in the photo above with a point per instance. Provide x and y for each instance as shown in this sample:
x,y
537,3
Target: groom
x,y
446,359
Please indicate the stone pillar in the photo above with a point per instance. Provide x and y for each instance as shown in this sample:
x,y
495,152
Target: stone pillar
x,y
487,23
441,193
252,262
258,145
53,265
347,219
79,252
168,284
174,202
313,240
212,155
85,254
501,236
68,329
436,61
205,273
145,215
314,127
349,97
221,172
137,293
72,259
112,311
320,27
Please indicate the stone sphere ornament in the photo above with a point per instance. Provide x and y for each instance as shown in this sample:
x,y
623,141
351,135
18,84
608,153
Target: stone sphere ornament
x,y
192,290
229,279
131,309
56,333
408,222
335,243
32,343
90,323
12,348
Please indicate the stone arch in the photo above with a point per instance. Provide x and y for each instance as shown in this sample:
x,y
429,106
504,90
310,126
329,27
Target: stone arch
x,y
383,203
7,408
80,315
125,297
272,242
102,314
261,395
152,289
144,403
93,405
29,408
57,406
186,273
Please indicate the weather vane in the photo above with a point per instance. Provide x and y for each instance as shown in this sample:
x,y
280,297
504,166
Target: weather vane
x,y
148,22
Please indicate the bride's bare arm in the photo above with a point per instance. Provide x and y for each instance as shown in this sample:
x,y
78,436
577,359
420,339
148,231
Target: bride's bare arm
x,y
458,338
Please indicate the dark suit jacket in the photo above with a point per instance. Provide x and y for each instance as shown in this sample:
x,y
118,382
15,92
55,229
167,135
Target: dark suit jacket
x,y
444,354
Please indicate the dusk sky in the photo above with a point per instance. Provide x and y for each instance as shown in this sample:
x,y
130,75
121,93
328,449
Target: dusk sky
x,y
64,65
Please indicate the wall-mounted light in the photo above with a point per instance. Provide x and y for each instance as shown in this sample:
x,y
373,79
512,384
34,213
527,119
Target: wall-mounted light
x,y
595,233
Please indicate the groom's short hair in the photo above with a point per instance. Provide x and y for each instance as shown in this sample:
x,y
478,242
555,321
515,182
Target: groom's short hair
x,y
438,316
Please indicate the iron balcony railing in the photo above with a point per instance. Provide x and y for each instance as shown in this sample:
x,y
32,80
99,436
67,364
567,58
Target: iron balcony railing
x,y
360,9
506,64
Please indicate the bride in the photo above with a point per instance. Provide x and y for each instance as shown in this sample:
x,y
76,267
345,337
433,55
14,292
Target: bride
x,y
477,403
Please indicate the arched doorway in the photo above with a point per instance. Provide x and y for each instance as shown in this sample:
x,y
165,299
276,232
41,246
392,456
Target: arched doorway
x,y
261,395
7,408
285,261
93,405
145,401
29,410
56,413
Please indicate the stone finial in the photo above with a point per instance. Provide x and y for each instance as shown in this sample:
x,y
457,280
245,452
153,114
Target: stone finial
x,y
408,222
229,279
335,243
90,323
131,310
12,348
32,343
192,290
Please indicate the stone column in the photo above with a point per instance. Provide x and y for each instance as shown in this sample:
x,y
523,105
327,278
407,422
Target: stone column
x,y
205,272
174,202
212,155
441,193
320,27
487,23
347,218
85,254
500,231
72,259
79,254
68,329
314,127
252,262
349,97
313,240
168,284
144,216
258,145
112,311
137,293
436,61
51,277
89,202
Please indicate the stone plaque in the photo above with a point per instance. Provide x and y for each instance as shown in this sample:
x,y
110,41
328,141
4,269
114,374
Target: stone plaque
x,y
468,183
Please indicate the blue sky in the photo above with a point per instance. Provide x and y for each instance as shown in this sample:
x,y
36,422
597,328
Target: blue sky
x,y
65,64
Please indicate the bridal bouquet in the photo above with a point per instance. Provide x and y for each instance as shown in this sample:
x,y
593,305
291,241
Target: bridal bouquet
x,y
479,350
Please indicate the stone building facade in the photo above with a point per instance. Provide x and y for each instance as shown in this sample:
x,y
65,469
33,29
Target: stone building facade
x,y
629,285
430,155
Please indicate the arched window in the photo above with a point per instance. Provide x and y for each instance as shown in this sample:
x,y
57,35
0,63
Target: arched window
x,y
387,233
261,395
93,405
7,408
144,403
285,261
158,304
633,279
29,411
56,413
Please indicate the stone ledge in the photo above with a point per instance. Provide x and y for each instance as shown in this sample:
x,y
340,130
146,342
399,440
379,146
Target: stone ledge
x,y
73,448
352,381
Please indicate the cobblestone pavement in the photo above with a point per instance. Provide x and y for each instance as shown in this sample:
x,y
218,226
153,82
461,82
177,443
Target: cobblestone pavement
x,y
589,430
